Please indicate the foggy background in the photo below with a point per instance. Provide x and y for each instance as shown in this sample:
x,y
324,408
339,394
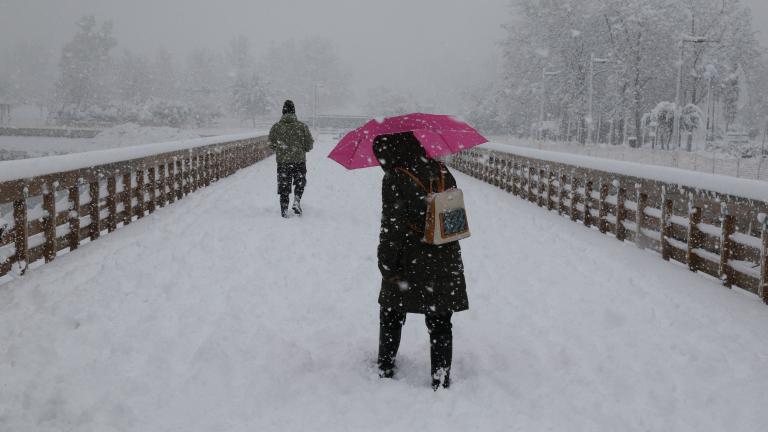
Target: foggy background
x,y
240,58
426,46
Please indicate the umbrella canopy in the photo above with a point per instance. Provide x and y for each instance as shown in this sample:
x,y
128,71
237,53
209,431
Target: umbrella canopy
x,y
440,135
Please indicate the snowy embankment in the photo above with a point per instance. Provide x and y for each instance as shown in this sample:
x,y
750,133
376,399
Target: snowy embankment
x,y
214,314
127,135
25,168
717,183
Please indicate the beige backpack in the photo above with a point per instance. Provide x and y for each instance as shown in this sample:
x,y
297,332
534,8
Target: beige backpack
x,y
446,219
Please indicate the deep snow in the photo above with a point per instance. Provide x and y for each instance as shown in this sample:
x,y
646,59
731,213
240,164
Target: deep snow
x,y
216,315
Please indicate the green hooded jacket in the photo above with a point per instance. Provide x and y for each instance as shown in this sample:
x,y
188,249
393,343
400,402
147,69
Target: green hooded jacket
x,y
290,139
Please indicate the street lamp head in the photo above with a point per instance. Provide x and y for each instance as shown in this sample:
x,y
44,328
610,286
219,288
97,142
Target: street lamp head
x,y
695,39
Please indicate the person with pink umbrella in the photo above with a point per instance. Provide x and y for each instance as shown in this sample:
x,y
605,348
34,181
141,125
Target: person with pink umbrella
x,y
417,277
421,266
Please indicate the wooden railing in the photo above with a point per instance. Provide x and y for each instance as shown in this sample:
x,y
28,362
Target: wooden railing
x,y
55,213
722,235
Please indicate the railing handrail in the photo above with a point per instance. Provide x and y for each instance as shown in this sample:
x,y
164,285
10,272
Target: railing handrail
x,y
33,167
722,184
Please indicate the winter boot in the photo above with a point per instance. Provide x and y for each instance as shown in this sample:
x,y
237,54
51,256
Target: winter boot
x,y
297,205
284,206
386,371
441,378
390,329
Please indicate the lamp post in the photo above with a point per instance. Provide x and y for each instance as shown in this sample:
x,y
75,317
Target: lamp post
x,y
544,75
592,61
317,87
677,118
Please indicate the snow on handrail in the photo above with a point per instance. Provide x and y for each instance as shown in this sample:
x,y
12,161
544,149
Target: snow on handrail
x,y
752,189
34,167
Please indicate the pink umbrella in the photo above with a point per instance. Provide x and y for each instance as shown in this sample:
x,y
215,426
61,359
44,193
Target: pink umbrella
x,y
440,135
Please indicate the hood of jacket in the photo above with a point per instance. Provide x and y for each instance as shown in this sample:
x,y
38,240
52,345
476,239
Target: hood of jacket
x,y
401,150
289,118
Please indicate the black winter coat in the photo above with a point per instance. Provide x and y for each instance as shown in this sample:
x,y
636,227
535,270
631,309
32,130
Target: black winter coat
x,y
417,277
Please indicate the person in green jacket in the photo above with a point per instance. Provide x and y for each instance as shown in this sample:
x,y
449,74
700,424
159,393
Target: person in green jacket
x,y
291,140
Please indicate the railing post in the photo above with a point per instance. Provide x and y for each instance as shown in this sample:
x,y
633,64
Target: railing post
x,y
550,185
227,153
508,175
621,214
574,198
541,188
152,182
216,162
694,238
49,222
161,185
642,203
515,179
603,208
127,198
207,169
763,290
728,228
187,178
561,194
112,202
21,232
179,188
74,216
492,163
588,203
94,228
531,173
666,228
140,189
197,179
171,181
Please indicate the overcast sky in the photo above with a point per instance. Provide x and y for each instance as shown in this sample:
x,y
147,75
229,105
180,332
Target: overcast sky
x,y
406,43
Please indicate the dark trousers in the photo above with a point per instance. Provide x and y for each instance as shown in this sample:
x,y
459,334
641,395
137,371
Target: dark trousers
x,y
440,339
291,177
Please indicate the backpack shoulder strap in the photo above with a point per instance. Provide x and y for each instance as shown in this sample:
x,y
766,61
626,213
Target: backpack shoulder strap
x,y
412,176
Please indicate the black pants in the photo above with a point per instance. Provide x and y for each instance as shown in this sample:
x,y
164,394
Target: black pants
x,y
291,177
440,339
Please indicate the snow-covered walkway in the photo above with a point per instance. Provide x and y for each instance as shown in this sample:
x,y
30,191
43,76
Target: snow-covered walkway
x,y
214,314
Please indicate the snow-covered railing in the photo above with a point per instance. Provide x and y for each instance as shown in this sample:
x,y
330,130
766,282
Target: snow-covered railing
x,y
714,225
754,168
49,132
51,205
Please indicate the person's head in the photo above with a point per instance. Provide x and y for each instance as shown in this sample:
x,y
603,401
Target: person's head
x,y
289,107
400,150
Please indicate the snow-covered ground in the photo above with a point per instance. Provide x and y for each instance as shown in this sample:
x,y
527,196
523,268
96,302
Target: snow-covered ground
x,y
216,315
127,135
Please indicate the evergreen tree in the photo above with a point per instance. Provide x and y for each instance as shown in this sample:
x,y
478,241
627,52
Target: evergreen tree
x,y
84,62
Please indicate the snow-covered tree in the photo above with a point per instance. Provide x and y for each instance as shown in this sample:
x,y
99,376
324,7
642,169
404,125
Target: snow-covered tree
x,y
165,76
251,97
299,69
638,46
27,74
133,78
84,63
206,85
